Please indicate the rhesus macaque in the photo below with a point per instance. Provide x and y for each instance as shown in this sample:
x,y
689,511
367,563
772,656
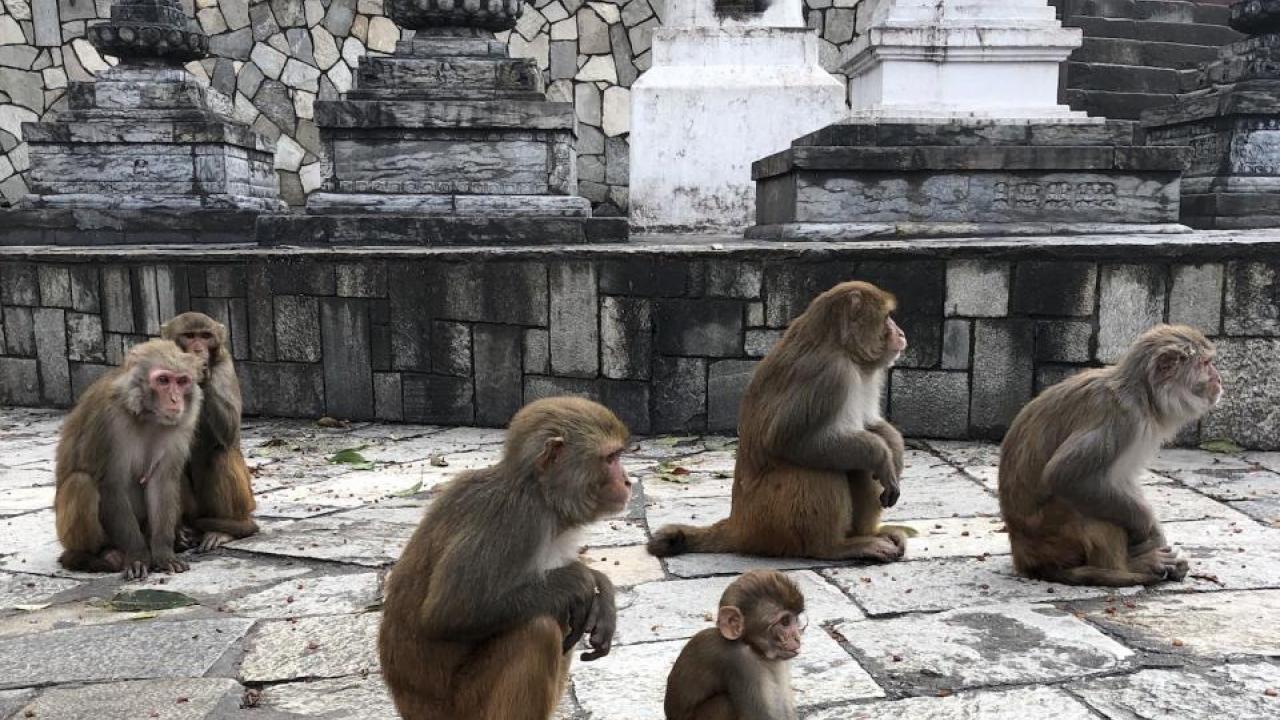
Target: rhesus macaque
x,y
816,462
738,670
119,463
218,497
1070,463
489,597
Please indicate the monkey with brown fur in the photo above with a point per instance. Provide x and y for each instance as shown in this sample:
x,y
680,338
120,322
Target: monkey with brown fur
x,y
1070,463
119,464
739,669
489,597
816,461
218,498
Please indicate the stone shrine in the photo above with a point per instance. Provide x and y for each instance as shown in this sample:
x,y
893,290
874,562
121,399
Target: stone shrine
x,y
449,141
1232,122
729,83
992,153
146,153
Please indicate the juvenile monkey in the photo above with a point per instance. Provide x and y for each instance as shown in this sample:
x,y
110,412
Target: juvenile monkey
x,y
218,495
816,461
489,597
1070,463
119,464
739,669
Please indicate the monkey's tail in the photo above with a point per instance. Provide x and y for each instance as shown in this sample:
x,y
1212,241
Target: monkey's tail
x,y
234,528
83,561
903,529
671,540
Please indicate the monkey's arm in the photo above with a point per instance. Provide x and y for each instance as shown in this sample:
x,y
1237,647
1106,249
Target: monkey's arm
x,y
220,414
751,698
164,506
603,621
893,439
1079,473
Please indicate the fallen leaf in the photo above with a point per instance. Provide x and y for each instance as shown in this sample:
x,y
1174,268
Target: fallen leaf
x,y
328,422
1221,445
411,490
149,600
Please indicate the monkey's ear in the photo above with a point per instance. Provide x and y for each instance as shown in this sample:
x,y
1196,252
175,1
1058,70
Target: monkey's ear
x,y
1168,362
730,622
549,454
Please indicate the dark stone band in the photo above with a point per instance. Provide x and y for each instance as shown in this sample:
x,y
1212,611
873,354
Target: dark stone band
x,y
149,41
1256,16
495,15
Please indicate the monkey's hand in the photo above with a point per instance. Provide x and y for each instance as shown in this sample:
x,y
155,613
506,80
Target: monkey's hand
x,y
212,541
170,563
578,612
888,477
186,538
602,624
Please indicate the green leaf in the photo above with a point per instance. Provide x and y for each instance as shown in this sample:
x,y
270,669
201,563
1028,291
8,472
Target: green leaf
x,y
411,490
146,600
350,456
1221,445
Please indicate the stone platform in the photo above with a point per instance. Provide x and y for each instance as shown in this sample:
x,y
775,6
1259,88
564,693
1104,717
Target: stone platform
x,y
283,624
665,330
860,178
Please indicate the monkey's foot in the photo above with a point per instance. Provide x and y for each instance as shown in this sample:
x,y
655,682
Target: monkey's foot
x,y
135,569
212,541
170,564
187,538
1162,564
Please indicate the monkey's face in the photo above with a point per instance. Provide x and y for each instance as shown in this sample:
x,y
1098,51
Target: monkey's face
x,y
1207,382
895,340
774,633
201,343
615,487
170,391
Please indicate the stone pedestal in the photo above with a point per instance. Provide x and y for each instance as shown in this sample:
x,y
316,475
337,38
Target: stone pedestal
x,y
992,59
448,141
1232,123
728,84
145,148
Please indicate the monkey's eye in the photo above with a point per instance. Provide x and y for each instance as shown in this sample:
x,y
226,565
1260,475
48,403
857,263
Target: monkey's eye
x,y
162,379
206,336
613,457
183,381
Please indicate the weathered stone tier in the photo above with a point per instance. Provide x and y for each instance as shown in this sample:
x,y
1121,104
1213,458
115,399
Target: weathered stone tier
x,y
858,179
665,331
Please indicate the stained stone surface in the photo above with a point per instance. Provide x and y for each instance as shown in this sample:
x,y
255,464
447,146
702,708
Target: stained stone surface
x,y
297,603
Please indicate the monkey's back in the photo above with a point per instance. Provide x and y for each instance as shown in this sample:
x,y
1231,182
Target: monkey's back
x,y
86,432
696,676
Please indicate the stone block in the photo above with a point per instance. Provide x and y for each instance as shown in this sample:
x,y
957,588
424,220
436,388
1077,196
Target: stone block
x,y
1252,303
261,312
1248,413
1064,288
499,386
19,381
297,328
537,351
626,337
366,279
19,331
437,399
1003,349
955,344
387,399
734,279
1195,297
1049,375
146,300
84,375
508,293
1067,341
1132,299
755,314
84,338
348,369
649,277
198,696
380,345
451,348
573,324
758,343
727,382
679,394
930,404
84,288
225,281
629,401
117,300
977,288
282,389
537,387
55,286
790,287
710,328
410,320
19,285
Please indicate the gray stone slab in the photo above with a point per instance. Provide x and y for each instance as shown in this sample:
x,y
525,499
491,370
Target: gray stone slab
x,y
982,646
977,288
680,609
1003,348
679,394
301,597
498,373
1235,690
1250,370
1195,296
373,544
18,500
30,589
183,699
348,372
12,700
626,337
356,698
931,404
941,495
1221,624
574,329
213,577
138,650
312,647
946,583
1017,704
631,681
727,382
1132,299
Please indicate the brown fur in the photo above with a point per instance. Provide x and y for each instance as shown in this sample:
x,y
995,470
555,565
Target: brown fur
x,y
718,678
218,498
1070,462
106,519
489,596
833,355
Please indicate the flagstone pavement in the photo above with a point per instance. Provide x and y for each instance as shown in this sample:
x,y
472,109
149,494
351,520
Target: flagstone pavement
x,y
283,623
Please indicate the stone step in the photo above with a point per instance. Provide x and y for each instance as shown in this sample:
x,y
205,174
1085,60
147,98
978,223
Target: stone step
x,y
1174,32
1173,11
1127,51
1123,78
1114,105
331,230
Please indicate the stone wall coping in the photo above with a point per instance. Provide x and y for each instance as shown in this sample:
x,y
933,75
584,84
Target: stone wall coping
x,y
1200,245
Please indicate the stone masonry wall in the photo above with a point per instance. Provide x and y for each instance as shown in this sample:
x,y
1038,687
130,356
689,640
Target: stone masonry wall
x,y
668,340
275,58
